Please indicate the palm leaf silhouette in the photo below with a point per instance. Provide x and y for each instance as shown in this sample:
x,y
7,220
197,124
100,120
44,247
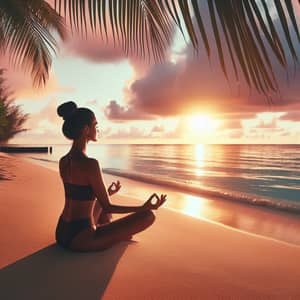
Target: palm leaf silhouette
x,y
25,31
145,28
244,28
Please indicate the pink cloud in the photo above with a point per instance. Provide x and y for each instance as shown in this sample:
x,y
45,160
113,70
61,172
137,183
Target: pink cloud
x,y
232,124
105,132
131,133
291,116
92,102
93,49
193,84
171,89
238,116
267,125
178,132
236,134
115,112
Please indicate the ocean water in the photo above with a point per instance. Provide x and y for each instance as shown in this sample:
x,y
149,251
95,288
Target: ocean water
x,y
262,175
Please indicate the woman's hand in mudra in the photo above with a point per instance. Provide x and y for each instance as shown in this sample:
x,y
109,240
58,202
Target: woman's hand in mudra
x,y
159,201
114,188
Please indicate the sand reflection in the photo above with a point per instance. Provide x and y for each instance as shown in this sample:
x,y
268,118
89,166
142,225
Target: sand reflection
x,y
274,224
194,206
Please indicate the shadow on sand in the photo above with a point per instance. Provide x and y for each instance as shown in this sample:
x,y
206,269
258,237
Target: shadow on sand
x,y
55,273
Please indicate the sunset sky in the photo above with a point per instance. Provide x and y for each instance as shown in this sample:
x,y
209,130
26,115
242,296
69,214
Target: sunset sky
x,y
184,100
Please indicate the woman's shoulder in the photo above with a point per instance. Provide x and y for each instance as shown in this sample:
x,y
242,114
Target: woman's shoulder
x,y
93,162
62,160
83,162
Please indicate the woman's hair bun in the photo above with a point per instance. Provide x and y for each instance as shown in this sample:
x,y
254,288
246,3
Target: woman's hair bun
x,y
66,109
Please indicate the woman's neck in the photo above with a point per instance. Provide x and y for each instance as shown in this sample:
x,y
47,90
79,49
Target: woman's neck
x,y
79,147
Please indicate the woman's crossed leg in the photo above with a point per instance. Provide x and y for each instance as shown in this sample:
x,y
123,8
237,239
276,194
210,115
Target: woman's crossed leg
x,y
112,233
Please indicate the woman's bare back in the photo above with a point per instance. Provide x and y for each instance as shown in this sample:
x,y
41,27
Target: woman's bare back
x,y
76,171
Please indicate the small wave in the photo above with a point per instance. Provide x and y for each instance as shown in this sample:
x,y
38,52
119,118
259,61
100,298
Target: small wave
x,y
282,205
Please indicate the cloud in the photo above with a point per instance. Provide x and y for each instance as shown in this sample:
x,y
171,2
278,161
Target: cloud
x,y
115,112
286,134
105,132
157,129
178,132
236,134
131,133
238,116
93,49
191,83
267,125
156,132
293,116
170,89
93,102
231,124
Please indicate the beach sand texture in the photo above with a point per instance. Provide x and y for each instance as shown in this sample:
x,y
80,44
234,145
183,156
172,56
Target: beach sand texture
x,y
178,257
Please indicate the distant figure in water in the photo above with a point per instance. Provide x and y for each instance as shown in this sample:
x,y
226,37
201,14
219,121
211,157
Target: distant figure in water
x,y
77,228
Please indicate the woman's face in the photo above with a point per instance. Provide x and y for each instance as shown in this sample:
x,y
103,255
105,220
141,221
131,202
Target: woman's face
x,y
93,131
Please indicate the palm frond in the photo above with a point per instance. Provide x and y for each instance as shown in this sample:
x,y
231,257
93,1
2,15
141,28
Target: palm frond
x,y
26,31
146,27
141,27
290,10
249,30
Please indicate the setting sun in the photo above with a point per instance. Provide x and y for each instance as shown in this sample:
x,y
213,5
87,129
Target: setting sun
x,y
202,122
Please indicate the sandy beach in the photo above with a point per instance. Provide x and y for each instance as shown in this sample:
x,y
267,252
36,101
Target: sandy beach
x,y
179,257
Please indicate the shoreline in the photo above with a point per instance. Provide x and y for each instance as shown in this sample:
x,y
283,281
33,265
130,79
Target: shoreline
x,y
256,191
180,257
282,226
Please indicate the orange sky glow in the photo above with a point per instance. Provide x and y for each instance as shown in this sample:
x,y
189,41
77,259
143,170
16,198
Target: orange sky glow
x,y
183,100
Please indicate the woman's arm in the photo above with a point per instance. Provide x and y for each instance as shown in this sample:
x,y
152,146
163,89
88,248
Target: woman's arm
x,y
99,188
96,180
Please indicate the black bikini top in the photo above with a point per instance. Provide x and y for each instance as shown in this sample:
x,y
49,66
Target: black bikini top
x,y
79,192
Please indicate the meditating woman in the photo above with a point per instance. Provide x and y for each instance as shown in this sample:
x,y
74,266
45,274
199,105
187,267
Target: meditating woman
x,y
84,185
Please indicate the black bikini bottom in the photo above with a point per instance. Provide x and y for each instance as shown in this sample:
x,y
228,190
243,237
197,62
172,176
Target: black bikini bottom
x,y
66,231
